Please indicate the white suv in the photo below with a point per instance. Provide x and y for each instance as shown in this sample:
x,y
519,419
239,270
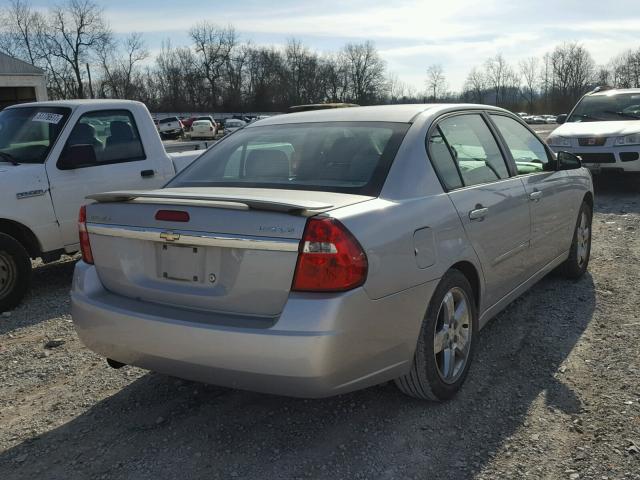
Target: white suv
x,y
603,129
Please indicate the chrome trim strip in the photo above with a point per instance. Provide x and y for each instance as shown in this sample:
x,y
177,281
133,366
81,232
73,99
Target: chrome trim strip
x,y
195,238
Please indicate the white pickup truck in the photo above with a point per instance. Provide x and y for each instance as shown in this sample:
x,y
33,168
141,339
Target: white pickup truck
x,y
54,154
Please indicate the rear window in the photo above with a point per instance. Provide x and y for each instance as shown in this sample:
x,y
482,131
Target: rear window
x,y
167,120
201,122
347,157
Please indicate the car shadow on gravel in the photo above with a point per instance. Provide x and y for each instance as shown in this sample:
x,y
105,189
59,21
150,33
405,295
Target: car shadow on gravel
x,y
617,193
160,427
48,297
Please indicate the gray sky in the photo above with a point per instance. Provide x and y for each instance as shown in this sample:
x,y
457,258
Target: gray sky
x,y
410,34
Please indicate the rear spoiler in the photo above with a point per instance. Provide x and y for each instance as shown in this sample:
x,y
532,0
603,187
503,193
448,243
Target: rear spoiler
x,y
255,202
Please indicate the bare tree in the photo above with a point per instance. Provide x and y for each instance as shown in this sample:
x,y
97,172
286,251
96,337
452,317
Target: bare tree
x,y
476,85
436,82
625,70
22,27
529,72
496,73
573,72
120,62
213,46
75,30
365,71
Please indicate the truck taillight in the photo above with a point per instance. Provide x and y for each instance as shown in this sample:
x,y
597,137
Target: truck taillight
x,y
330,259
85,244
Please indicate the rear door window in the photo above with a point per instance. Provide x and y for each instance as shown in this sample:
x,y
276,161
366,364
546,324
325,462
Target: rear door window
x,y
474,149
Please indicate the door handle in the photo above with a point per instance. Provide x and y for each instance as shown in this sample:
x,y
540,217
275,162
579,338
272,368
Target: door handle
x,y
147,173
535,196
478,213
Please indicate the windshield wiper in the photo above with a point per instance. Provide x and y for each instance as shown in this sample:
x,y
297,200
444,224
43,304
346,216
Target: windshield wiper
x,y
623,114
10,158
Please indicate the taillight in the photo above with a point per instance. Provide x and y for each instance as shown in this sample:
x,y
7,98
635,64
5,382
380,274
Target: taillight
x,y
85,245
330,259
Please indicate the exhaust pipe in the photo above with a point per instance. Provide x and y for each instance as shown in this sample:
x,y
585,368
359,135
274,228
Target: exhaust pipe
x,y
114,363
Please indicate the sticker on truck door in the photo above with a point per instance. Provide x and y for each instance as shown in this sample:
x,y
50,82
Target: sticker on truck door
x,y
47,117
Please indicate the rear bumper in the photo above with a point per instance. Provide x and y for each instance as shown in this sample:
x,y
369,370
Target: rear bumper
x,y
320,345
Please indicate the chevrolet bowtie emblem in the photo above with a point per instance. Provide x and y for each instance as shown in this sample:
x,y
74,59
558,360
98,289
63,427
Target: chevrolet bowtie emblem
x,y
170,236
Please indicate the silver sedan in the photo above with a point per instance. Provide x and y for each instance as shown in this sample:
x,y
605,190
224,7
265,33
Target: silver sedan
x,y
317,253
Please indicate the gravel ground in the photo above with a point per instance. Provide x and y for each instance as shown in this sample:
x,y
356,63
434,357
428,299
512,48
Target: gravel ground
x,y
554,393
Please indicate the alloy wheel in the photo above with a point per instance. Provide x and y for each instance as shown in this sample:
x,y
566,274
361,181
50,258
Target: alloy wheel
x,y
452,336
583,238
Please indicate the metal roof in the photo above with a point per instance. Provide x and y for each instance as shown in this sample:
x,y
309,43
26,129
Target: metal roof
x,y
13,66
382,113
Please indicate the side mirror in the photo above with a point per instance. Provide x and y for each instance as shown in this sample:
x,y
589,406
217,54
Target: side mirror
x,y
568,161
560,119
77,156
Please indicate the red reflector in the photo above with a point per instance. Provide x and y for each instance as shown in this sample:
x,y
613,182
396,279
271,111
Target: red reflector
x,y
330,258
85,244
172,216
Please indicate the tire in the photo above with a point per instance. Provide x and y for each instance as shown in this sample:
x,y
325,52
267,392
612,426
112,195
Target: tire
x,y
576,265
15,272
429,378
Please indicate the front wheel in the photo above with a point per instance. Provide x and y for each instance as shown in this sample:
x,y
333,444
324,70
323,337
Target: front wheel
x,y
576,265
15,272
446,344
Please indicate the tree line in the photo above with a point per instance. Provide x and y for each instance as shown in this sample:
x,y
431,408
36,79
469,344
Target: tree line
x,y
82,58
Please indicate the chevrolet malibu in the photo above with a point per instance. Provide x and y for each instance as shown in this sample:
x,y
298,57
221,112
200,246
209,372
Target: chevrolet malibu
x,y
317,253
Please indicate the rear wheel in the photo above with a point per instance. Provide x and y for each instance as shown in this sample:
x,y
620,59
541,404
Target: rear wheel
x,y
576,265
446,343
15,272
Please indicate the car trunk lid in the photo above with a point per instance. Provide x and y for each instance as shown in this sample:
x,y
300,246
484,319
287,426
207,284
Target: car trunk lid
x,y
231,250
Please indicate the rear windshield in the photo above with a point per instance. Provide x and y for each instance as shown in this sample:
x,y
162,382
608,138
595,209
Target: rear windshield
x,y
170,119
348,157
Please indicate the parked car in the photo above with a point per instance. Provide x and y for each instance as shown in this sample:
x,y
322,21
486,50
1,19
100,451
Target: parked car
x,y
170,127
550,119
203,129
210,119
232,124
316,253
604,130
535,120
187,122
54,154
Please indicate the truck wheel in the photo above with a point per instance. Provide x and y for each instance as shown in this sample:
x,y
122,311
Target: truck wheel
x,y
446,342
15,272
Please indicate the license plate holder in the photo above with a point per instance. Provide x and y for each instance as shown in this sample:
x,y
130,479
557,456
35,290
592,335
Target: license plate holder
x,y
180,263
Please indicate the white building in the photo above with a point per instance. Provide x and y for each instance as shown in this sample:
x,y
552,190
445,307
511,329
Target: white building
x,y
20,82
